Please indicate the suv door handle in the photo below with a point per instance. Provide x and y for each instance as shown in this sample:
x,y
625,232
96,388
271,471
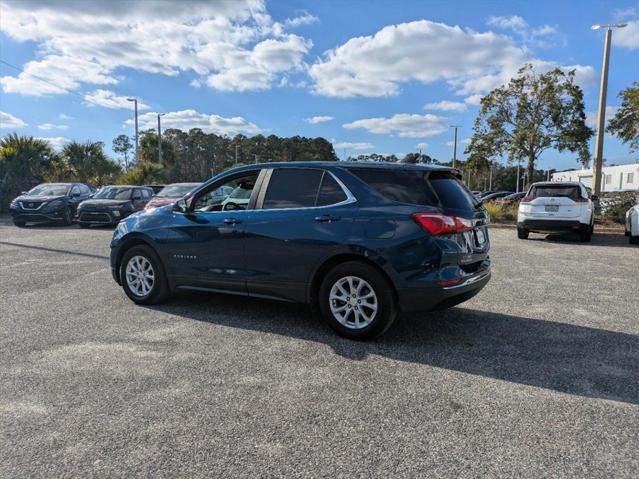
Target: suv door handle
x,y
231,221
326,218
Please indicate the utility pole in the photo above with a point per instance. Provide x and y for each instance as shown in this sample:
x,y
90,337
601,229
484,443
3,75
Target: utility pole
x,y
236,147
518,166
601,116
455,144
490,181
135,104
159,140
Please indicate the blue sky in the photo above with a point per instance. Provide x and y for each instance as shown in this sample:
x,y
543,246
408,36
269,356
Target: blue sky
x,y
370,76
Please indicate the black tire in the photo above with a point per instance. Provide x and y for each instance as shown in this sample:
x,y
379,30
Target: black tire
x,y
159,289
633,239
383,290
84,225
19,223
522,233
68,217
586,236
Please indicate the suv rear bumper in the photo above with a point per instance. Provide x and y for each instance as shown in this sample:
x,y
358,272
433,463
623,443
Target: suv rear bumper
x,y
543,226
435,297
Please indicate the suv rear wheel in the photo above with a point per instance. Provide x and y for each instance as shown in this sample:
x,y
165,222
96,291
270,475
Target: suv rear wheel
x,y
19,223
357,301
142,276
522,233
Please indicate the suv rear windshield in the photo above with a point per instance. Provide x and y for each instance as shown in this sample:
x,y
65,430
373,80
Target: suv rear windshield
x,y
555,191
427,188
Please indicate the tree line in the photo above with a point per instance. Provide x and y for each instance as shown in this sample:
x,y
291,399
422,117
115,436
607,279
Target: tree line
x,y
517,122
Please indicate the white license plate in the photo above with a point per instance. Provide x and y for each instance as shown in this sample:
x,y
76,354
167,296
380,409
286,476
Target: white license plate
x,y
481,239
552,208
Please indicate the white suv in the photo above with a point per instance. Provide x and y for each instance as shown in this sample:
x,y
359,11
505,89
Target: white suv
x,y
550,207
632,224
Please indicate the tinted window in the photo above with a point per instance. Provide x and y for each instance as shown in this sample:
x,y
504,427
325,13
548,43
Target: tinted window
x,y
451,191
405,186
85,189
292,188
330,192
146,193
75,190
114,193
49,189
552,191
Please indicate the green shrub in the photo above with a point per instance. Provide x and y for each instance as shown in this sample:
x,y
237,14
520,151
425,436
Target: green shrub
x,y
502,213
613,206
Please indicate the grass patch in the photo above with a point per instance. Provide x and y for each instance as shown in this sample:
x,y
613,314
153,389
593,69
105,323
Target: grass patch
x,y
502,213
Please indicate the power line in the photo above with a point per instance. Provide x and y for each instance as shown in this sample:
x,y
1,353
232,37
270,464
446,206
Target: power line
x,y
43,80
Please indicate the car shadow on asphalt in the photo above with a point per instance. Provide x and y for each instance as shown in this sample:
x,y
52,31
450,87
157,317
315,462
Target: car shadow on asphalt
x,y
562,357
613,240
54,250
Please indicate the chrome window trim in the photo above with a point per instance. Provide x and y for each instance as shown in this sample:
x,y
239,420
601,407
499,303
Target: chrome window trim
x,y
350,198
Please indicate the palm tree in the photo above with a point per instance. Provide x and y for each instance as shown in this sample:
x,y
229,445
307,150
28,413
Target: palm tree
x,y
24,162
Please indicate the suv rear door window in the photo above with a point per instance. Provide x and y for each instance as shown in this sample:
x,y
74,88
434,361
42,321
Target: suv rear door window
x,y
292,188
330,192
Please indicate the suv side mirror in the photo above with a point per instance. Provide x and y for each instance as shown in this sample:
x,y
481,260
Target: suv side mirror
x,y
180,206
75,195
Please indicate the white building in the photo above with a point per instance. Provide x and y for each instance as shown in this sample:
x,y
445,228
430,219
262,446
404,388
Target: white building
x,y
613,178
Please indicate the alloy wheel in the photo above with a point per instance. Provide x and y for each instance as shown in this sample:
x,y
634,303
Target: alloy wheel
x,y
353,302
140,276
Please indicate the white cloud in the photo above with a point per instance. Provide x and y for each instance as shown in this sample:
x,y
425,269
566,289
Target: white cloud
x,y
187,119
424,51
421,146
446,105
56,142
403,124
465,141
7,120
314,120
51,126
229,44
304,19
62,116
109,99
340,145
544,30
473,99
515,22
627,37
591,116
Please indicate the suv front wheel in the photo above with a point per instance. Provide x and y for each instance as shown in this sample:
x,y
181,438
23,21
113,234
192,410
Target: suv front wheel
x,y
357,301
142,276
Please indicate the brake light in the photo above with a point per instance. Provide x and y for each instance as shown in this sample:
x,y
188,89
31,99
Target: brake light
x,y
439,224
527,199
580,200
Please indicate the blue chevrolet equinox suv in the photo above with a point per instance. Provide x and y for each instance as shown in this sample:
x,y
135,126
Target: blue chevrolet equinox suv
x,y
361,242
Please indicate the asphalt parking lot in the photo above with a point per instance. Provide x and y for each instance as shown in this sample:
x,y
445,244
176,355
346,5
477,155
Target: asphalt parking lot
x,y
536,376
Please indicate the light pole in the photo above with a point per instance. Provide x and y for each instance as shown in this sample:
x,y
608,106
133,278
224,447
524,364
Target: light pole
x,y
455,144
135,103
160,139
601,116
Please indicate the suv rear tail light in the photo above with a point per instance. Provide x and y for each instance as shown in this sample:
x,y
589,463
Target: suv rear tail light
x,y
580,200
439,224
527,199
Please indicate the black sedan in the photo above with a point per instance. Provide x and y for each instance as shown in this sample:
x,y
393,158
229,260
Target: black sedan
x,y
112,203
49,202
